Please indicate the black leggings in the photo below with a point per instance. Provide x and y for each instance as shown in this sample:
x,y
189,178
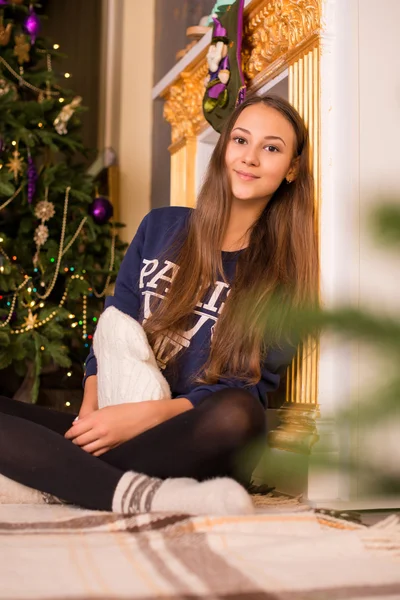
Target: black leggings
x,y
222,436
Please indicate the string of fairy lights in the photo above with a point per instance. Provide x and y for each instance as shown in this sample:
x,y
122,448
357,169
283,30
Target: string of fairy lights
x,y
32,321
25,83
48,92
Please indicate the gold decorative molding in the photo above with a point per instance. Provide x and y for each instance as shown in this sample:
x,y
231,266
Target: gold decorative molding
x,y
183,107
304,95
275,30
297,431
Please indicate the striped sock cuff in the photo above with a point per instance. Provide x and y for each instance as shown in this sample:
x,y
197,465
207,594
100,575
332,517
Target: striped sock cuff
x,y
134,493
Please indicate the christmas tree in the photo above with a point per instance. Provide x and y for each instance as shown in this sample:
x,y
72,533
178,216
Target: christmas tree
x,y
59,248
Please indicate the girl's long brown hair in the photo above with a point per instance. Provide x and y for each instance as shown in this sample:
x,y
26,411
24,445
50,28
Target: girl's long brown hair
x,y
282,258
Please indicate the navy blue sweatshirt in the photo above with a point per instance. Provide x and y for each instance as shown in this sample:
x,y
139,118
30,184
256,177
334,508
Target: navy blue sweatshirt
x,y
143,266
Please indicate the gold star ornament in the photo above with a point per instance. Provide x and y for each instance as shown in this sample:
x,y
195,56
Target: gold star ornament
x,y
30,320
21,48
15,164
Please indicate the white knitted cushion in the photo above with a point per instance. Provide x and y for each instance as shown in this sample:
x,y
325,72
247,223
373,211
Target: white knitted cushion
x,y
127,370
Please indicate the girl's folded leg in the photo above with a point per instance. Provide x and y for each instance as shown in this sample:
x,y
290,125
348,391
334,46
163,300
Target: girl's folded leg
x,y
223,436
52,419
36,456
42,459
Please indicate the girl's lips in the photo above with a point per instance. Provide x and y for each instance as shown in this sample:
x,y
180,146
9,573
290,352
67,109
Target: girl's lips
x,y
246,176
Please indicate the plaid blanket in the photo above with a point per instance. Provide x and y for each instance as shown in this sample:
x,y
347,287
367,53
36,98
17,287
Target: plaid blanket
x,y
62,552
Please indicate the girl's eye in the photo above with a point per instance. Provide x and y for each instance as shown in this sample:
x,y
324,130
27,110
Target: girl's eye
x,y
239,140
271,148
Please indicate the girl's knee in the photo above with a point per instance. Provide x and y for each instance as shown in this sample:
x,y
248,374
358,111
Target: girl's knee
x,y
239,411
242,398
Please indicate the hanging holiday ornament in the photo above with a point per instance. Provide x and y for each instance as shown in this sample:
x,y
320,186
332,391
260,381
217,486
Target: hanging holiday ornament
x,y
5,33
101,210
15,164
32,178
41,235
45,210
30,320
21,48
60,122
32,24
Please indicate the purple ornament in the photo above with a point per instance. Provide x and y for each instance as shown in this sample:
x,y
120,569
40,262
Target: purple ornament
x,y
3,2
32,24
101,210
32,179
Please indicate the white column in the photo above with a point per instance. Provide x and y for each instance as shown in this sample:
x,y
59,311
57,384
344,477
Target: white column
x,y
339,130
360,129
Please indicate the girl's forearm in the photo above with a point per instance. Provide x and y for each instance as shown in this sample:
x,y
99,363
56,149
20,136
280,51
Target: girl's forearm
x,y
90,400
148,414
171,408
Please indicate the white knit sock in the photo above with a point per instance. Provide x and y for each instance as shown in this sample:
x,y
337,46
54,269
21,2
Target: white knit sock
x,y
137,493
127,370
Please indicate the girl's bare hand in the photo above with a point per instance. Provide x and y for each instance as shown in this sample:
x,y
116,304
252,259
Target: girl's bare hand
x,y
102,430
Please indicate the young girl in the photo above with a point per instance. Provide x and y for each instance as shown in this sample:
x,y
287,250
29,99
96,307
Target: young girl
x,y
197,280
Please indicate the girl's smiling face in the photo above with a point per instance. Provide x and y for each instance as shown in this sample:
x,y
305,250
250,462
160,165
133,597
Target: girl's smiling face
x,y
260,153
